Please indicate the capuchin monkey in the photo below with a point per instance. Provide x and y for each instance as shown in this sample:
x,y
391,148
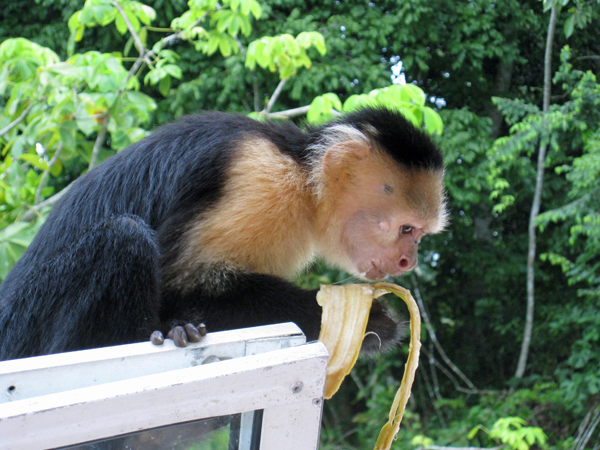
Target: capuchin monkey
x,y
207,220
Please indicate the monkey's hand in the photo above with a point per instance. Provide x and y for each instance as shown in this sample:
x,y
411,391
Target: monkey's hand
x,y
181,335
384,330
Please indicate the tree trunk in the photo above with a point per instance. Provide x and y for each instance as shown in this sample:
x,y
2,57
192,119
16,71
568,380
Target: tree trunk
x,y
535,207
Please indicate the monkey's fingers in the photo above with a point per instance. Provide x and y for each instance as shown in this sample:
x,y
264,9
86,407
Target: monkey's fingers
x,y
182,335
179,336
157,338
193,333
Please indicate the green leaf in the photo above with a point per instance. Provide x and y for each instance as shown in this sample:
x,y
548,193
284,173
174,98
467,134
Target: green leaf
x,y
74,21
333,100
79,33
87,126
35,160
225,47
355,102
135,23
245,26
164,86
321,106
432,120
473,432
87,16
104,14
256,54
186,20
14,239
250,57
256,9
142,101
304,60
569,26
145,13
310,38
56,168
319,43
316,109
410,116
413,94
223,19
212,45
66,132
173,70
119,140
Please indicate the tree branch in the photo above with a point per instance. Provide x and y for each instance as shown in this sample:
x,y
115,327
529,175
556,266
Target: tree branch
x,y
136,39
34,210
433,396
587,428
46,174
256,93
433,336
177,35
98,144
18,120
276,94
290,112
240,46
535,207
146,54
134,68
433,363
92,117
455,382
442,447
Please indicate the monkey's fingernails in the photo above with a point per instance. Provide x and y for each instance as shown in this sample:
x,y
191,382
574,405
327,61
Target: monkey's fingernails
x,y
193,334
157,338
202,329
179,336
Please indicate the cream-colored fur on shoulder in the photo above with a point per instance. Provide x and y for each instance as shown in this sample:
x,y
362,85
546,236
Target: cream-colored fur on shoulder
x,y
264,221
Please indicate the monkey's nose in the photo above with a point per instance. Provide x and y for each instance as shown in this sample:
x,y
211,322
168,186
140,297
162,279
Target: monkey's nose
x,y
407,264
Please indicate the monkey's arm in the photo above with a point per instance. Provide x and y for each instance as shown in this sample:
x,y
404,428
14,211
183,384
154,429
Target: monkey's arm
x,y
252,299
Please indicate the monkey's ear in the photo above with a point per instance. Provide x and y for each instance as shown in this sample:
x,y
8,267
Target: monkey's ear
x,y
344,155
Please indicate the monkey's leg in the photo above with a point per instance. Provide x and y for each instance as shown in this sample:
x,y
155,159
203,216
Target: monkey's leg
x,y
102,290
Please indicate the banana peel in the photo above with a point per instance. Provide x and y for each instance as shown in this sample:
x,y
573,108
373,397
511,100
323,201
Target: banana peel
x,y
343,325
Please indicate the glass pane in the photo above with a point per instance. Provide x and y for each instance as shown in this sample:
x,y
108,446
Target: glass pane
x,y
235,432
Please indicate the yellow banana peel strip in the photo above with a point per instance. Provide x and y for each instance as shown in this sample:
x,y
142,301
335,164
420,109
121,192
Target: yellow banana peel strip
x,y
343,324
390,429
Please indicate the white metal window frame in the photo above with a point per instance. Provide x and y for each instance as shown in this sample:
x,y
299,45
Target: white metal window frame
x,y
70,398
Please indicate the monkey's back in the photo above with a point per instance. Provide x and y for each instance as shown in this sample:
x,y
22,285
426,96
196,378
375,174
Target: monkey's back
x,y
180,167
164,179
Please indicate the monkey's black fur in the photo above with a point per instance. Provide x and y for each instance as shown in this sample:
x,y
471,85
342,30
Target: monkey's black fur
x,y
92,275
408,146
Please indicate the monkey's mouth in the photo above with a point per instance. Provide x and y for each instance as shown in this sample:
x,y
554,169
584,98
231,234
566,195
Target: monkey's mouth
x,y
375,273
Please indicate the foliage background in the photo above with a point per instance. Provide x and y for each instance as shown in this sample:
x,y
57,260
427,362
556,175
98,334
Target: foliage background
x,y
481,64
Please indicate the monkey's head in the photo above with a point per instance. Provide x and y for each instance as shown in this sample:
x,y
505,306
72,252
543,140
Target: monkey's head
x,y
380,191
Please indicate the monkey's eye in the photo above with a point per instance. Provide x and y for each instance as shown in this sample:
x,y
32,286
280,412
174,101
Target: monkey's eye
x,y
406,229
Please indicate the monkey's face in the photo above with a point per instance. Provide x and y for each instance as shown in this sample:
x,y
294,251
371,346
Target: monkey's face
x,y
381,243
381,212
